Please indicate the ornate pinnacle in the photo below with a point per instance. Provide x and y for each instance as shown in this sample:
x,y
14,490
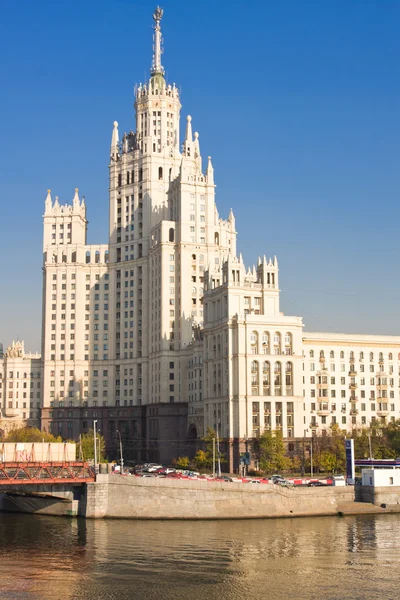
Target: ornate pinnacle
x,y
157,15
157,67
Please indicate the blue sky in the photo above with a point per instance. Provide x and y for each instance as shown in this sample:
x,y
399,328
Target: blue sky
x,y
296,102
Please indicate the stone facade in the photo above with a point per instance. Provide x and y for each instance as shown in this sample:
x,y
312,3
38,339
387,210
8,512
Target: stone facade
x,y
20,387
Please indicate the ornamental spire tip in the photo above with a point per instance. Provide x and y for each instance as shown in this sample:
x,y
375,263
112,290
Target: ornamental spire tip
x,y
157,50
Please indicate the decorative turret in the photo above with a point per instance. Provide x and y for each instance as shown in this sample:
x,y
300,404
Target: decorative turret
x,y
48,203
157,123
210,171
75,202
114,150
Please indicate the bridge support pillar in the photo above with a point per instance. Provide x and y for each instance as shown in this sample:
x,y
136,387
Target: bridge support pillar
x,y
94,504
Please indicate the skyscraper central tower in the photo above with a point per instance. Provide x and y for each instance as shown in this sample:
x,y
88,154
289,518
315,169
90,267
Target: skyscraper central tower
x,y
132,308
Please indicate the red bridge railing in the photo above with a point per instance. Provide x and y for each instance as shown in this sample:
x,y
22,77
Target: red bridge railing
x,y
16,473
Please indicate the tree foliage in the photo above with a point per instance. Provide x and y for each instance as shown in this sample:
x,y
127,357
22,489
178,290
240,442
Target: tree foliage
x,y
30,435
202,460
182,462
85,447
271,452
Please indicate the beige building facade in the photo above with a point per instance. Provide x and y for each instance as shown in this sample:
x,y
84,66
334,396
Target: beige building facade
x,y
21,390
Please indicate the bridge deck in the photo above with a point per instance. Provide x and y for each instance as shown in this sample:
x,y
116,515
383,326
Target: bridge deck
x,y
17,473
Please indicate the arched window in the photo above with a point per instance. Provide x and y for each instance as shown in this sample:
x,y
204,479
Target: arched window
x,y
193,257
160,173
133,176
361,355
87,260
106,256
311,353
140,174
127,178
97,257
254,378
201,257
321,354
171,234
342,354
216,238
73,257
351,355
380,355
390,356
194,290
371,356
289,378
288,343
332,354
64,257
277,343
254,342
278,379
266,378
119,180
265,342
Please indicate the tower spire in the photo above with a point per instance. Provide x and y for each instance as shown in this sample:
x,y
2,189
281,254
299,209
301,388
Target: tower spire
x,y
157,66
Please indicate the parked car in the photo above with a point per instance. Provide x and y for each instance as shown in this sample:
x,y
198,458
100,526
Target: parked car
x,y
316,484
153,467
165,471
285,483
223,478
277,478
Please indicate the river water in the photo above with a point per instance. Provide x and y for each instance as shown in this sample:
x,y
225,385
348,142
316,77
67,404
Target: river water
x,y
311,558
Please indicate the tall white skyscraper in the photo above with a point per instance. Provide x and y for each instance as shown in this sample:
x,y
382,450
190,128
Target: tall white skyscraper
x,y
118,320
163,331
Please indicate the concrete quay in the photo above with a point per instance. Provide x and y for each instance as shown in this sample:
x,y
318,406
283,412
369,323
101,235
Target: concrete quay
x,y
114,496
124,497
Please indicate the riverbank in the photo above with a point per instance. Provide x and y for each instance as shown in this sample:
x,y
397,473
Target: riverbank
x,y
114,496
137,498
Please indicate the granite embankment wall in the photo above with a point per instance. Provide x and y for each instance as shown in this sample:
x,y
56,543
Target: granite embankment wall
x,y
379,495
114,496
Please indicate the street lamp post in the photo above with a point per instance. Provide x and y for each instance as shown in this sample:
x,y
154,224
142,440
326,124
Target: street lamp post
x,y
120,452
95,447
218,453
311,451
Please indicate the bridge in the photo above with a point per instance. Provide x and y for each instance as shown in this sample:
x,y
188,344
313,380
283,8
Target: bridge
x,y
44,473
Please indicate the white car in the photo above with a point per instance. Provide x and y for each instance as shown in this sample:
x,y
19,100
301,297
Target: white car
x,y
152,468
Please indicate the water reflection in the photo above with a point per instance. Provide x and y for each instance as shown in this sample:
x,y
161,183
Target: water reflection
x,y
353,557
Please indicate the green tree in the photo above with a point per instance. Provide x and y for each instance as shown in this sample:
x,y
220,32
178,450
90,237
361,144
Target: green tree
x,y
328,461
202,460
393,437
182,462
31,435
271,452
85,447
208,439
